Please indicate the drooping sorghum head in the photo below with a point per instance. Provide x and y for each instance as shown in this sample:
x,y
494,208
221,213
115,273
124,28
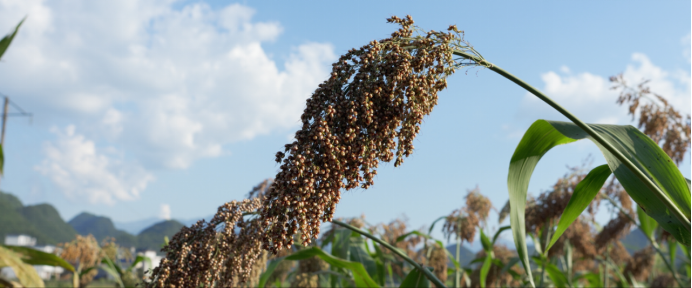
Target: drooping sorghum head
x,y
369,110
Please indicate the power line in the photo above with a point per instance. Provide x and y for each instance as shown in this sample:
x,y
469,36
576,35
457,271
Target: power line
x,y
6,113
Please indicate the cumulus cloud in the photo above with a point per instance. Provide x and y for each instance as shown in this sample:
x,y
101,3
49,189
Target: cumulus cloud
x,y
165,212
79,169
171,84
590,98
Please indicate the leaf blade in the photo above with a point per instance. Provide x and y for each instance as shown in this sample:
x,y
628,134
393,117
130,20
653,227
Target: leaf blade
x,y
415,278
5,42
37,257
583,194
538,140
25,273
360,275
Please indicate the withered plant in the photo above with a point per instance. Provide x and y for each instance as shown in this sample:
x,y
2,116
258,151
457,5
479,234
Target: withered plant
x,y
83,253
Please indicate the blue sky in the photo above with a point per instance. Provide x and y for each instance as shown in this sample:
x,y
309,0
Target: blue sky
x,y
170,108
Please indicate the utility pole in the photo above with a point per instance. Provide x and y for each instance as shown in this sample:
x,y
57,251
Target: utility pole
x,y
4,123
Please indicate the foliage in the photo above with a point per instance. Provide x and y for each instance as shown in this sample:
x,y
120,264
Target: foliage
x,y
370,110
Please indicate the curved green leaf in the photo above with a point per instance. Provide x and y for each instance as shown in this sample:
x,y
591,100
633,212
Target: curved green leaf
x,y
539,139
638,148
497,234
558,277
37,257
583,194
360,276
2,160
434,222
112,269
648,225
415,278
654,162
487,246
26,274
485,268
5,42
359,254
268,273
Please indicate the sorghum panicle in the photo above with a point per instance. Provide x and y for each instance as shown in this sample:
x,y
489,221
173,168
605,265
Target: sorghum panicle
x,y
369,110
221,252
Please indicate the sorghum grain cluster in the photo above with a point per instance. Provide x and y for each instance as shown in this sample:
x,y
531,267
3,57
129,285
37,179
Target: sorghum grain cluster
x,y
463,222
221,252
369,110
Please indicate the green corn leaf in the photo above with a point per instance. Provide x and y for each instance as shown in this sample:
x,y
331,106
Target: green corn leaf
x,y
594,279
415,278
139,259
453,259
434,222
638,148
2,161
112,269
360,275
26,274
672,248
648,225
512,261
497,234
485,268
359,254
583,194
487,246
37,257
268,273
5,42
558,277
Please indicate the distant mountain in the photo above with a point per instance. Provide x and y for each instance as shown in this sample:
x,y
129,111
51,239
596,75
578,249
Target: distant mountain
x,y
635,241
152,237
102,228
41,221
191,221
465,254
134,227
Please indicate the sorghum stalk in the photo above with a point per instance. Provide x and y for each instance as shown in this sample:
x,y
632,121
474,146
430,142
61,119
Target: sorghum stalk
x,y
457,275
638,173
651,240
396,251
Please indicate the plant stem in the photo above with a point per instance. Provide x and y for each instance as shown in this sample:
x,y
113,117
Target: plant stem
x,y
637,172
396,251
457,276
651,240
546,241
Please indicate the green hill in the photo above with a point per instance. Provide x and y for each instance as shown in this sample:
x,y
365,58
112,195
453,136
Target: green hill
x,y
152,237
101,227
41,221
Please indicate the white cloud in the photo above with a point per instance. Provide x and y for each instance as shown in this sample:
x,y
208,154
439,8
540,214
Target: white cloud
x,y
165,212
77,167
687,47
171,85
589,97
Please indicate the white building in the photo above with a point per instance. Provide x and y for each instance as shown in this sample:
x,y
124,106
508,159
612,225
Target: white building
x,y
155,261
45,272
20,240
